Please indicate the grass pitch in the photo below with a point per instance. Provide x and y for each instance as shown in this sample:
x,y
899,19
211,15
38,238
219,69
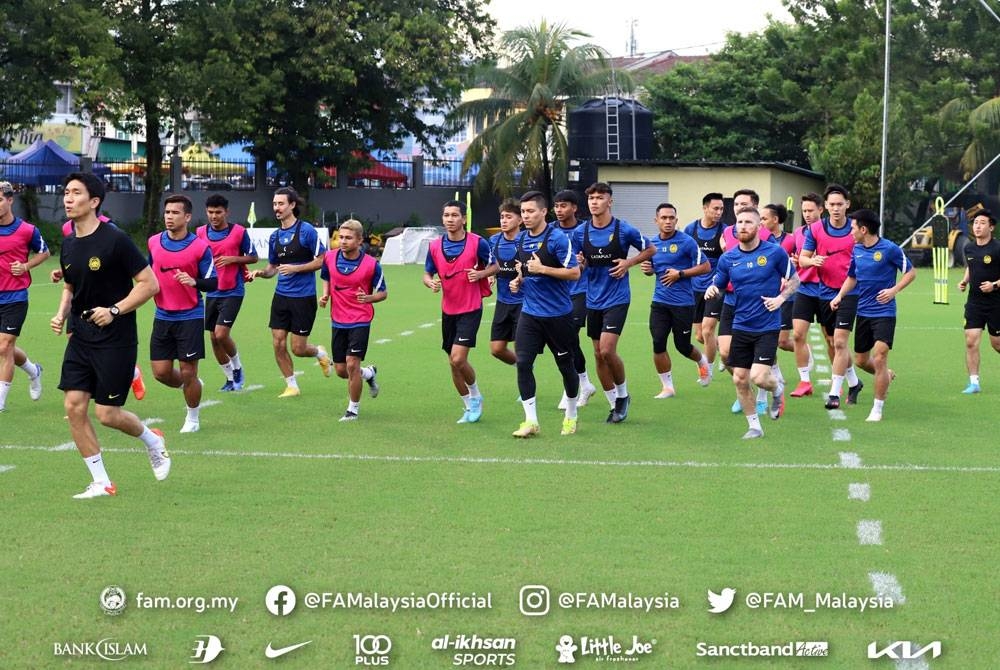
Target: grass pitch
x,y
404,501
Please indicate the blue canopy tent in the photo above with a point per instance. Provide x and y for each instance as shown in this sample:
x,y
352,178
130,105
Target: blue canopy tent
x,y
44,164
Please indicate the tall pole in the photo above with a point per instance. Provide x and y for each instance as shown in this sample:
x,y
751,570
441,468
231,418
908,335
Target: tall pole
x,y
885,114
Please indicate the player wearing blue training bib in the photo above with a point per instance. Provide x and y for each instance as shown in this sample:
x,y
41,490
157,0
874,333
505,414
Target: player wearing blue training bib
x,y
873,268
508,307
604,242
757,271
547,267
675,263
294,254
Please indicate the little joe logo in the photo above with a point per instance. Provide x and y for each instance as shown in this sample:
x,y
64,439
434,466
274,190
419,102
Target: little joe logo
x,y
603,649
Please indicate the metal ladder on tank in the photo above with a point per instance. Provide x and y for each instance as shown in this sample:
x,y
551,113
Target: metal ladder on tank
x,y
611,121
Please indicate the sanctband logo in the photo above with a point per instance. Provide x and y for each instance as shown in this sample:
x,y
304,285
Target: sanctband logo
x,y
108,649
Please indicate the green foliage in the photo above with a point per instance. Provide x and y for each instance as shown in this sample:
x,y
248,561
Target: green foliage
x,y
41,45
544,73
309,83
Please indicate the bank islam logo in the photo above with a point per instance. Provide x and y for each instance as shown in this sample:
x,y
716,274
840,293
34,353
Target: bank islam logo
x,y
372,649
113,600
206,649
904,651
280,600
720,602
108,649
607,648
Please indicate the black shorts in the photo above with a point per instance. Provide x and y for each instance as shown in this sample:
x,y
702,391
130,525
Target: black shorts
x,y
505,321
534,333
579,310
807,308
295,315
12,316
610,320
106,374
349,342
872,329
177,340
983,315
460,329
712,309
749,349
222,311
726,320
843,317
787,309
666,318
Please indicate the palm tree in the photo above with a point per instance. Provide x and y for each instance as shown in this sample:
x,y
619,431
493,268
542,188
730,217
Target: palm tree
x,y
542,75
982,124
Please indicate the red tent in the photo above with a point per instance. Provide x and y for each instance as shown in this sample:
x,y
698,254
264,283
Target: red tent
x,y
374,171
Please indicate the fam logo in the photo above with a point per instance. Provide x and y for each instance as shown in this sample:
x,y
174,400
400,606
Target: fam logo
x,y
762,261
609,649
877,256
108,649
673,248
206,649
113,600
372,649
94,263
987,259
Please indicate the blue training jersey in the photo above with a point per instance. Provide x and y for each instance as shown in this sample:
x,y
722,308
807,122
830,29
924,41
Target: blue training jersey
x,y
580,285
505,253
347,266
875,269
678,252
283,240
603,290
709,240
755,275
546,296
206,270
35,244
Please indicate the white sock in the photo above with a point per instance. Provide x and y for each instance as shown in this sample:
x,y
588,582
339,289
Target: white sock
x,y
149,438
878,405
192,414
584,379
530,411
4,390
465,401
227,369
761,394
852,376
611,395
704,361
974,379
367,372
837,385
571,408
235,360
804,374
474,390
354,407
136,373
776,371
754,421
291,382
667,379
30,368
621,390
96,466
320,353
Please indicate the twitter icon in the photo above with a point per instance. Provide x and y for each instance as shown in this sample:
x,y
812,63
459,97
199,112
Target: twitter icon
x,y
720,602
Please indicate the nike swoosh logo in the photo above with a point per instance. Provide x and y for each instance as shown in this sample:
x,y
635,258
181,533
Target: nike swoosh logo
x,y
11,327
612,327
193,353
224,321
463,339
275,653
112,397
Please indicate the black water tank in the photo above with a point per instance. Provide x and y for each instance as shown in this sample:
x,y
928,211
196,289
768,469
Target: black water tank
x,y
588,130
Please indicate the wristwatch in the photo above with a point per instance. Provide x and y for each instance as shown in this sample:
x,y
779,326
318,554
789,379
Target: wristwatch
x,y
114,310
680,274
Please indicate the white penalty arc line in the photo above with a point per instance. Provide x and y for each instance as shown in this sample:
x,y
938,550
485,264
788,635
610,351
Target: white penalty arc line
x,y
498,460
870,531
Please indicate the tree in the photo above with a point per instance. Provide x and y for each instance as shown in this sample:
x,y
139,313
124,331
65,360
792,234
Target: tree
x,y
543,76
41,46
314,83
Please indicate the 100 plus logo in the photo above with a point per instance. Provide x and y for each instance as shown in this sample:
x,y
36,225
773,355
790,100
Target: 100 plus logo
x,y
372,649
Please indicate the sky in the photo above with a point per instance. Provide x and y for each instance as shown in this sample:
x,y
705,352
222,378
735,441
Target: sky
x,y
689,27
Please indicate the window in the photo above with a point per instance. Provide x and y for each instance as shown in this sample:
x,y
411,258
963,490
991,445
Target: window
x,y
100,128
64,103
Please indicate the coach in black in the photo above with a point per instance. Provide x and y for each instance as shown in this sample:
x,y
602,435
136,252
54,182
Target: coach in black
x,y
106,280
982,278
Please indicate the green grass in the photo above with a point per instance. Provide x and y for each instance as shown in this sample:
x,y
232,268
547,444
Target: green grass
x,y
324,506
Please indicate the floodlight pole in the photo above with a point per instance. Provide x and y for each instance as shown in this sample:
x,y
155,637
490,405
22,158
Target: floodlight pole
x,y
885,114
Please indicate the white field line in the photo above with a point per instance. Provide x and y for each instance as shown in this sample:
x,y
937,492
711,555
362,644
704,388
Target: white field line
x,y
6,468
426,325
862,492
152,421
870,531
836,415
500,460
406,333
913,663
818,347
887,586
384,340
849,459
252,387
210,403
65,446
822,369
841,435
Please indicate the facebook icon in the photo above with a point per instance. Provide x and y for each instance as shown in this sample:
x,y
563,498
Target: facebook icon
x,y
280,600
